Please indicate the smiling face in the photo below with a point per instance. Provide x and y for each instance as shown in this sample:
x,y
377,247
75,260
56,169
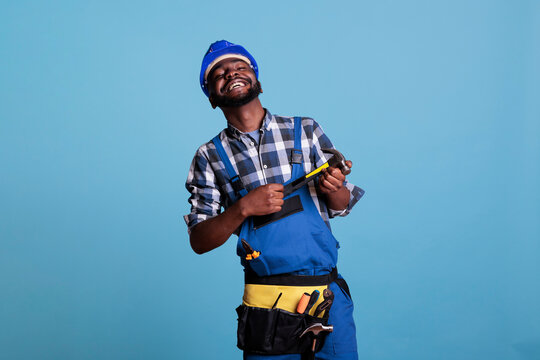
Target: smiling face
x,y
232,83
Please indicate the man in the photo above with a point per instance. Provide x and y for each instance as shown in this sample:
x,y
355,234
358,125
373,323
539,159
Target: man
x,y
285,243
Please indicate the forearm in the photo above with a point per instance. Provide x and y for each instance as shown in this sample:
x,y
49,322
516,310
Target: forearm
x,y
215,231
338,200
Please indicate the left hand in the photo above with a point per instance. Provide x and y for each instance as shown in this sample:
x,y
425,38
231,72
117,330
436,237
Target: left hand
x,y
332,179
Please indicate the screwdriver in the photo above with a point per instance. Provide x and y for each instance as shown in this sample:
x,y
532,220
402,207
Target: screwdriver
x,y
312,300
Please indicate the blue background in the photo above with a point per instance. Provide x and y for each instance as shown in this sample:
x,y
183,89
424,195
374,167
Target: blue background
x,y
436,102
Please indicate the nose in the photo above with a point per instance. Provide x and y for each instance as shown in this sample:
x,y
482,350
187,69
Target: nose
x,y
231,73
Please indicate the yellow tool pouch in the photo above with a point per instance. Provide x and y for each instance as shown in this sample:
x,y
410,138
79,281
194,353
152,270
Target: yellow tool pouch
x,y
267,319
266,296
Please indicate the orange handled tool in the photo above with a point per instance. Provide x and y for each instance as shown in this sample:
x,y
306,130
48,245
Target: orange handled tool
x,y
251,254
303,303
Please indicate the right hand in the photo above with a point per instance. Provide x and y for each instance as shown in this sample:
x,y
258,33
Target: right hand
x,y
266,199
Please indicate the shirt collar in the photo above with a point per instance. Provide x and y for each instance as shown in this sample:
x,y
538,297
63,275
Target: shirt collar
x,y
266,124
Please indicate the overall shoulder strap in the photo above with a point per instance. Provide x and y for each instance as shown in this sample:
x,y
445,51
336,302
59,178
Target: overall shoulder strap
x,y
236,183
296,152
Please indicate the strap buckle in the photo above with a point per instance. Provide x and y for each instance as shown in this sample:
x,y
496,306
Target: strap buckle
x,y
296,156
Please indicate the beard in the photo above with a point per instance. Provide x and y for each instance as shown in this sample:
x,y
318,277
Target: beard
x,y
224,101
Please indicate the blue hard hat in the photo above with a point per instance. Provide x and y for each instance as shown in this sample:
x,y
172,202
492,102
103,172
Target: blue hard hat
x,y
221,50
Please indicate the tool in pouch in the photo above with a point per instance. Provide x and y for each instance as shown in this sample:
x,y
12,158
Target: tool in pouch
x,y
319,327
328,296
315,330
307,301
250,253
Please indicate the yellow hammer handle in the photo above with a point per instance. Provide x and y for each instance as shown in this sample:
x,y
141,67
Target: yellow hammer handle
x,y
317,170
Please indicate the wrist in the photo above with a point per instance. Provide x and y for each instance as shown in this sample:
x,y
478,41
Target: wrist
x,y
338,200
242,209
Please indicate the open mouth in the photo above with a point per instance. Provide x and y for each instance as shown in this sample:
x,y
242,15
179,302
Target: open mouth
x,y
235,84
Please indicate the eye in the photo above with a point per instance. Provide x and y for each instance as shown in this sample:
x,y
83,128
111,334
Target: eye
x,y
218,76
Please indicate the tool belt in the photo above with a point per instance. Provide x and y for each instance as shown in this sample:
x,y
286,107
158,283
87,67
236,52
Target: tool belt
x,y
268,323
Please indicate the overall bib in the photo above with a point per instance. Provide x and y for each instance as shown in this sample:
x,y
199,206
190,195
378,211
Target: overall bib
x,y
294,241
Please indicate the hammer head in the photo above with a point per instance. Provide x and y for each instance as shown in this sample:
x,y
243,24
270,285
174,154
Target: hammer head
x,y
318,328
338,160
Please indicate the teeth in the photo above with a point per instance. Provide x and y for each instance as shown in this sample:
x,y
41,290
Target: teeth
x,y
234,85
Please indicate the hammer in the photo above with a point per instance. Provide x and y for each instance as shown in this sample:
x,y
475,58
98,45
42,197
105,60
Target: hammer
x,y
337,160
316,329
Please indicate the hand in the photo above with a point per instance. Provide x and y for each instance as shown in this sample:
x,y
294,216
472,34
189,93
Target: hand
x,y
266,199
332,179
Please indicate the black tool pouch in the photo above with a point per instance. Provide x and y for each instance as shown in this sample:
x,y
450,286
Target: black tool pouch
x,y
276,331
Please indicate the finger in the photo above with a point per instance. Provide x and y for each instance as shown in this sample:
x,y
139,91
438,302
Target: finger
x,y
336,174
334,181
276,208
275,197
349,163
327,188
277,194
276,187
325,184
321,184
334,171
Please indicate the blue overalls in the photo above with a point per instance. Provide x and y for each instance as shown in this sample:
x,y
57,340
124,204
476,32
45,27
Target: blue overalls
x,y
299,243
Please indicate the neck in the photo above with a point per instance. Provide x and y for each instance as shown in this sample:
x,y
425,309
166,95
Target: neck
x,y
245,118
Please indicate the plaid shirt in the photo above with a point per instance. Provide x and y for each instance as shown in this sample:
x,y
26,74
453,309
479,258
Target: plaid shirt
x,y
258,164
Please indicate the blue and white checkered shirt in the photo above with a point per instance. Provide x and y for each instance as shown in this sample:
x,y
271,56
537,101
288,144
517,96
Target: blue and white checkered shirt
x,y
268,161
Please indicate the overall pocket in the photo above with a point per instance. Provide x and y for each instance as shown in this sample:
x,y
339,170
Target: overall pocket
x,y
259,265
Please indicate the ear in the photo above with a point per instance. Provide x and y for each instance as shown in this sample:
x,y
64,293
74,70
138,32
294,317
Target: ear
x,y
211,99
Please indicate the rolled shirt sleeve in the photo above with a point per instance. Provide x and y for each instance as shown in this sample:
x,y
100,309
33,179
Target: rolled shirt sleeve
x,y
205,198
356,194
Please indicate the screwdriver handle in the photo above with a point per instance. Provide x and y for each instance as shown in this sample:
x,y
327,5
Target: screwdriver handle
x,y
302,304
312,300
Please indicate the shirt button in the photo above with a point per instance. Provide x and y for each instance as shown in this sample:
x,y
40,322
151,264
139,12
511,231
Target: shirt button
x,y
264,166
252,143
